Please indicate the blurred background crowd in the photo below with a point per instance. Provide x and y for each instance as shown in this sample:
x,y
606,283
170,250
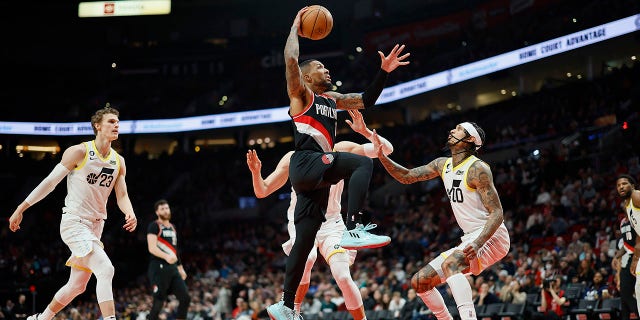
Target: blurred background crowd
x,y
555,153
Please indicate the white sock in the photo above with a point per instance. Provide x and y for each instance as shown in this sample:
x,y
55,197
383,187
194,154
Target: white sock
x,y
461,290
47,314
433,299
110,318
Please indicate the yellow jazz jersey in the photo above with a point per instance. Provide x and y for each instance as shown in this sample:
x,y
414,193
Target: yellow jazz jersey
x,y
465,201
91,182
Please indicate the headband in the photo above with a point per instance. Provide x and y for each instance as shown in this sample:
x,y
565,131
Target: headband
x,y
473,132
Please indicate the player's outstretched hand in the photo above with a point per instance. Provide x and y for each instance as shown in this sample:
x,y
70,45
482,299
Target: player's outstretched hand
x,y
357,125
253,162
394,59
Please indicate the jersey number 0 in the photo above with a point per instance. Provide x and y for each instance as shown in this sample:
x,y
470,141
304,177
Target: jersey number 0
x,y
455,193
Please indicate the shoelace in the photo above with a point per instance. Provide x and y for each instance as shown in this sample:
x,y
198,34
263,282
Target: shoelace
x,y
368,227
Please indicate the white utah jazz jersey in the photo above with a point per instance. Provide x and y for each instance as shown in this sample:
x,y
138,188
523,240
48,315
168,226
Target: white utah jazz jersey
x,y
89,184
467,207
633,214
334,206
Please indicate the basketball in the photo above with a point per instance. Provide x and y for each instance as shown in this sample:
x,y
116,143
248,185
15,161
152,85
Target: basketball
x,y
316,23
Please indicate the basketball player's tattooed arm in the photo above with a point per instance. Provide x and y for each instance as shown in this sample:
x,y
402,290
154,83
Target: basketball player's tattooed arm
x,y
402,174
368,98
480,177
299,93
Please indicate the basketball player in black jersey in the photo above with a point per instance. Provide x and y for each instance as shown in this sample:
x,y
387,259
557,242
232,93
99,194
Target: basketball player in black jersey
x,y
314,167
166,273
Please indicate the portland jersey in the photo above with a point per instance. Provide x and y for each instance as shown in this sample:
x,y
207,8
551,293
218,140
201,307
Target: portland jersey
x,y
315,127
167,239
633,214
467,207
334,206
91,182
628,240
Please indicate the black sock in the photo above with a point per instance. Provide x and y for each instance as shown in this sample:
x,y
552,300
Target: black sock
x,y
288,297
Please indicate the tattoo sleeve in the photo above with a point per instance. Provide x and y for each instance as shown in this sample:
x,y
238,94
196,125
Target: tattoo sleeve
x,y
347,101
408,176
295,86
480,176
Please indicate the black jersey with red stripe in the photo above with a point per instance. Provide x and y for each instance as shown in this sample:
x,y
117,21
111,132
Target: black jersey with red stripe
x,y
167,238
315,128
628,235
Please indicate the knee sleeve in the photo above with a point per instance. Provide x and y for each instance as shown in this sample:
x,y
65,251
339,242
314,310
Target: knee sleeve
x,y
103,270
76,285
311,260
342,275
433,299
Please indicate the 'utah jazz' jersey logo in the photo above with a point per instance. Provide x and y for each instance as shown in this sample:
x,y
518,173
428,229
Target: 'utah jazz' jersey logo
x,y
105,176
455,193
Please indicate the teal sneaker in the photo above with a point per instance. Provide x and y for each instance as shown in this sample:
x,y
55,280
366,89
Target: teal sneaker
x,y
279,311
360,238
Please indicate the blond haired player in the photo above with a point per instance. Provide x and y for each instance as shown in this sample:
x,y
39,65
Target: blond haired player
x,y
329,236
92,170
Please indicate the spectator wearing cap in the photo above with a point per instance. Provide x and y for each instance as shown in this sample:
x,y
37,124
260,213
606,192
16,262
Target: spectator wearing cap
x,y
502,281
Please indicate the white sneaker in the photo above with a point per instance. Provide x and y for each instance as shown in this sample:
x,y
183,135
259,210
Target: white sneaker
x,y
360,238
33,317
279,311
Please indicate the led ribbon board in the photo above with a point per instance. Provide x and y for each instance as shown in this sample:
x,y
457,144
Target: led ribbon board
x,y
421,85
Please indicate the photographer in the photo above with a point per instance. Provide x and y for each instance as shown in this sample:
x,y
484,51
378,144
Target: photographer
x,y
552,300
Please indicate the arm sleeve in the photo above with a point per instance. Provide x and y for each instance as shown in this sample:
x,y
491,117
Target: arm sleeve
x,y
369,151
371,94
48,184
